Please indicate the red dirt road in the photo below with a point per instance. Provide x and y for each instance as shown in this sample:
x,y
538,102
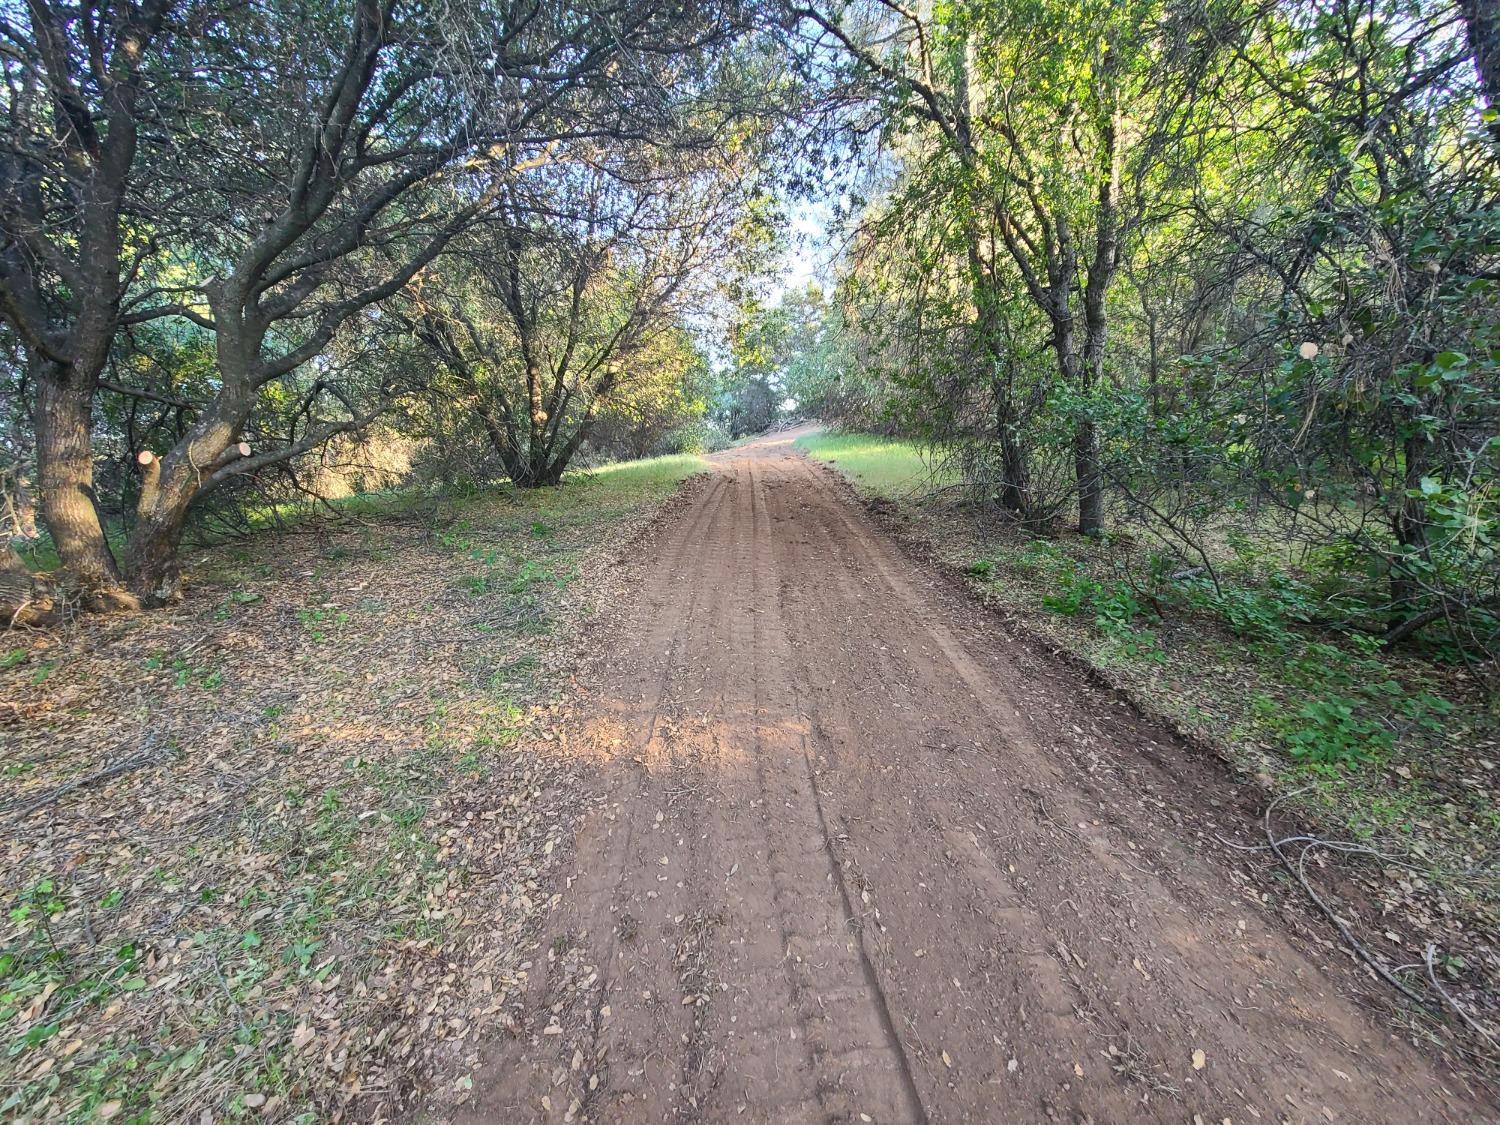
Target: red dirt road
x,y
857,858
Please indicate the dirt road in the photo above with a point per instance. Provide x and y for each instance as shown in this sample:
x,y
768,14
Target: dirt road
x,y
856,858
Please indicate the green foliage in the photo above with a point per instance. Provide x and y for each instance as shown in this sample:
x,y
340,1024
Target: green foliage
x,y
784,356
321,620
1115,606
1328,732
1300,344
1255,613
1074,591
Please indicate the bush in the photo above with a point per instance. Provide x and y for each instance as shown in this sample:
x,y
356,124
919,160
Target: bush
x,y
1326,733
1116,609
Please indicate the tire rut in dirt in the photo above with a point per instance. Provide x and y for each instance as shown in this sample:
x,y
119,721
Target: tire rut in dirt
x,y
855,858
1060,951
858,1058
558,1065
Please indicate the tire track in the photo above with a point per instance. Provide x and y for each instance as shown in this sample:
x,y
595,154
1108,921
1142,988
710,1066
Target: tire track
x,y
857,862
837,962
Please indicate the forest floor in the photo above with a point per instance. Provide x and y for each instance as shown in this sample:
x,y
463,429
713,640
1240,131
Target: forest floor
x,y
277,852
853,852
625,802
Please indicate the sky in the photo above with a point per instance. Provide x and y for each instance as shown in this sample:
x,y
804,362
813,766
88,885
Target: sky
x,y
810,251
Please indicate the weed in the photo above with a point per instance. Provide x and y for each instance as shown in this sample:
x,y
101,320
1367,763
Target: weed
x,y
318,620
1074,591
530,574
1325,733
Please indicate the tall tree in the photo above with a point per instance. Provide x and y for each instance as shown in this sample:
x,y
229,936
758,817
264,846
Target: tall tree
x,y
78,95
1051,122
350,144
579,275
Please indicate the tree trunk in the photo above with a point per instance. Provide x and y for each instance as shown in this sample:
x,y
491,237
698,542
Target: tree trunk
x,y
155,572
151,566
171,483
18,518
168,489
1076,373
1409,525
1090,479
25,599
65,476
502,437
1015,482
1482,26
1101,272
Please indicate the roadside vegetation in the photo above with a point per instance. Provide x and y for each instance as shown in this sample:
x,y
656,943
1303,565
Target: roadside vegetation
x,y
1185,314
1393,750
252,254
279,850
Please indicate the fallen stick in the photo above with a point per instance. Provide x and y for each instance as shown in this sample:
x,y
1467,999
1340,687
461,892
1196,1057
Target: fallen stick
x,y
1429,957
26,808
1298,871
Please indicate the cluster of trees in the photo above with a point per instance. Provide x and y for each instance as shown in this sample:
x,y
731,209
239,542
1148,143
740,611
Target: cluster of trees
x,y
232,231
1179,260
773,348
1109,258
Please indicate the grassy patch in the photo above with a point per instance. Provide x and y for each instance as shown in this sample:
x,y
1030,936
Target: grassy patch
x,y
877,466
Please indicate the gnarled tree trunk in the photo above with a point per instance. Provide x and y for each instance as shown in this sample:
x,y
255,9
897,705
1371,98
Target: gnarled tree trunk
x,y
65,475
170,483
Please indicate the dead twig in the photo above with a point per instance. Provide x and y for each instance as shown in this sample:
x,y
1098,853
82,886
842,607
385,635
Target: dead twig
x,y
1428,958
1041,807
1298,871
21,810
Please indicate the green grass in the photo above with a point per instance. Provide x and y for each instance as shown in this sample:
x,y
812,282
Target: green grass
x,y
634,477
620,484
544,517
878,466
